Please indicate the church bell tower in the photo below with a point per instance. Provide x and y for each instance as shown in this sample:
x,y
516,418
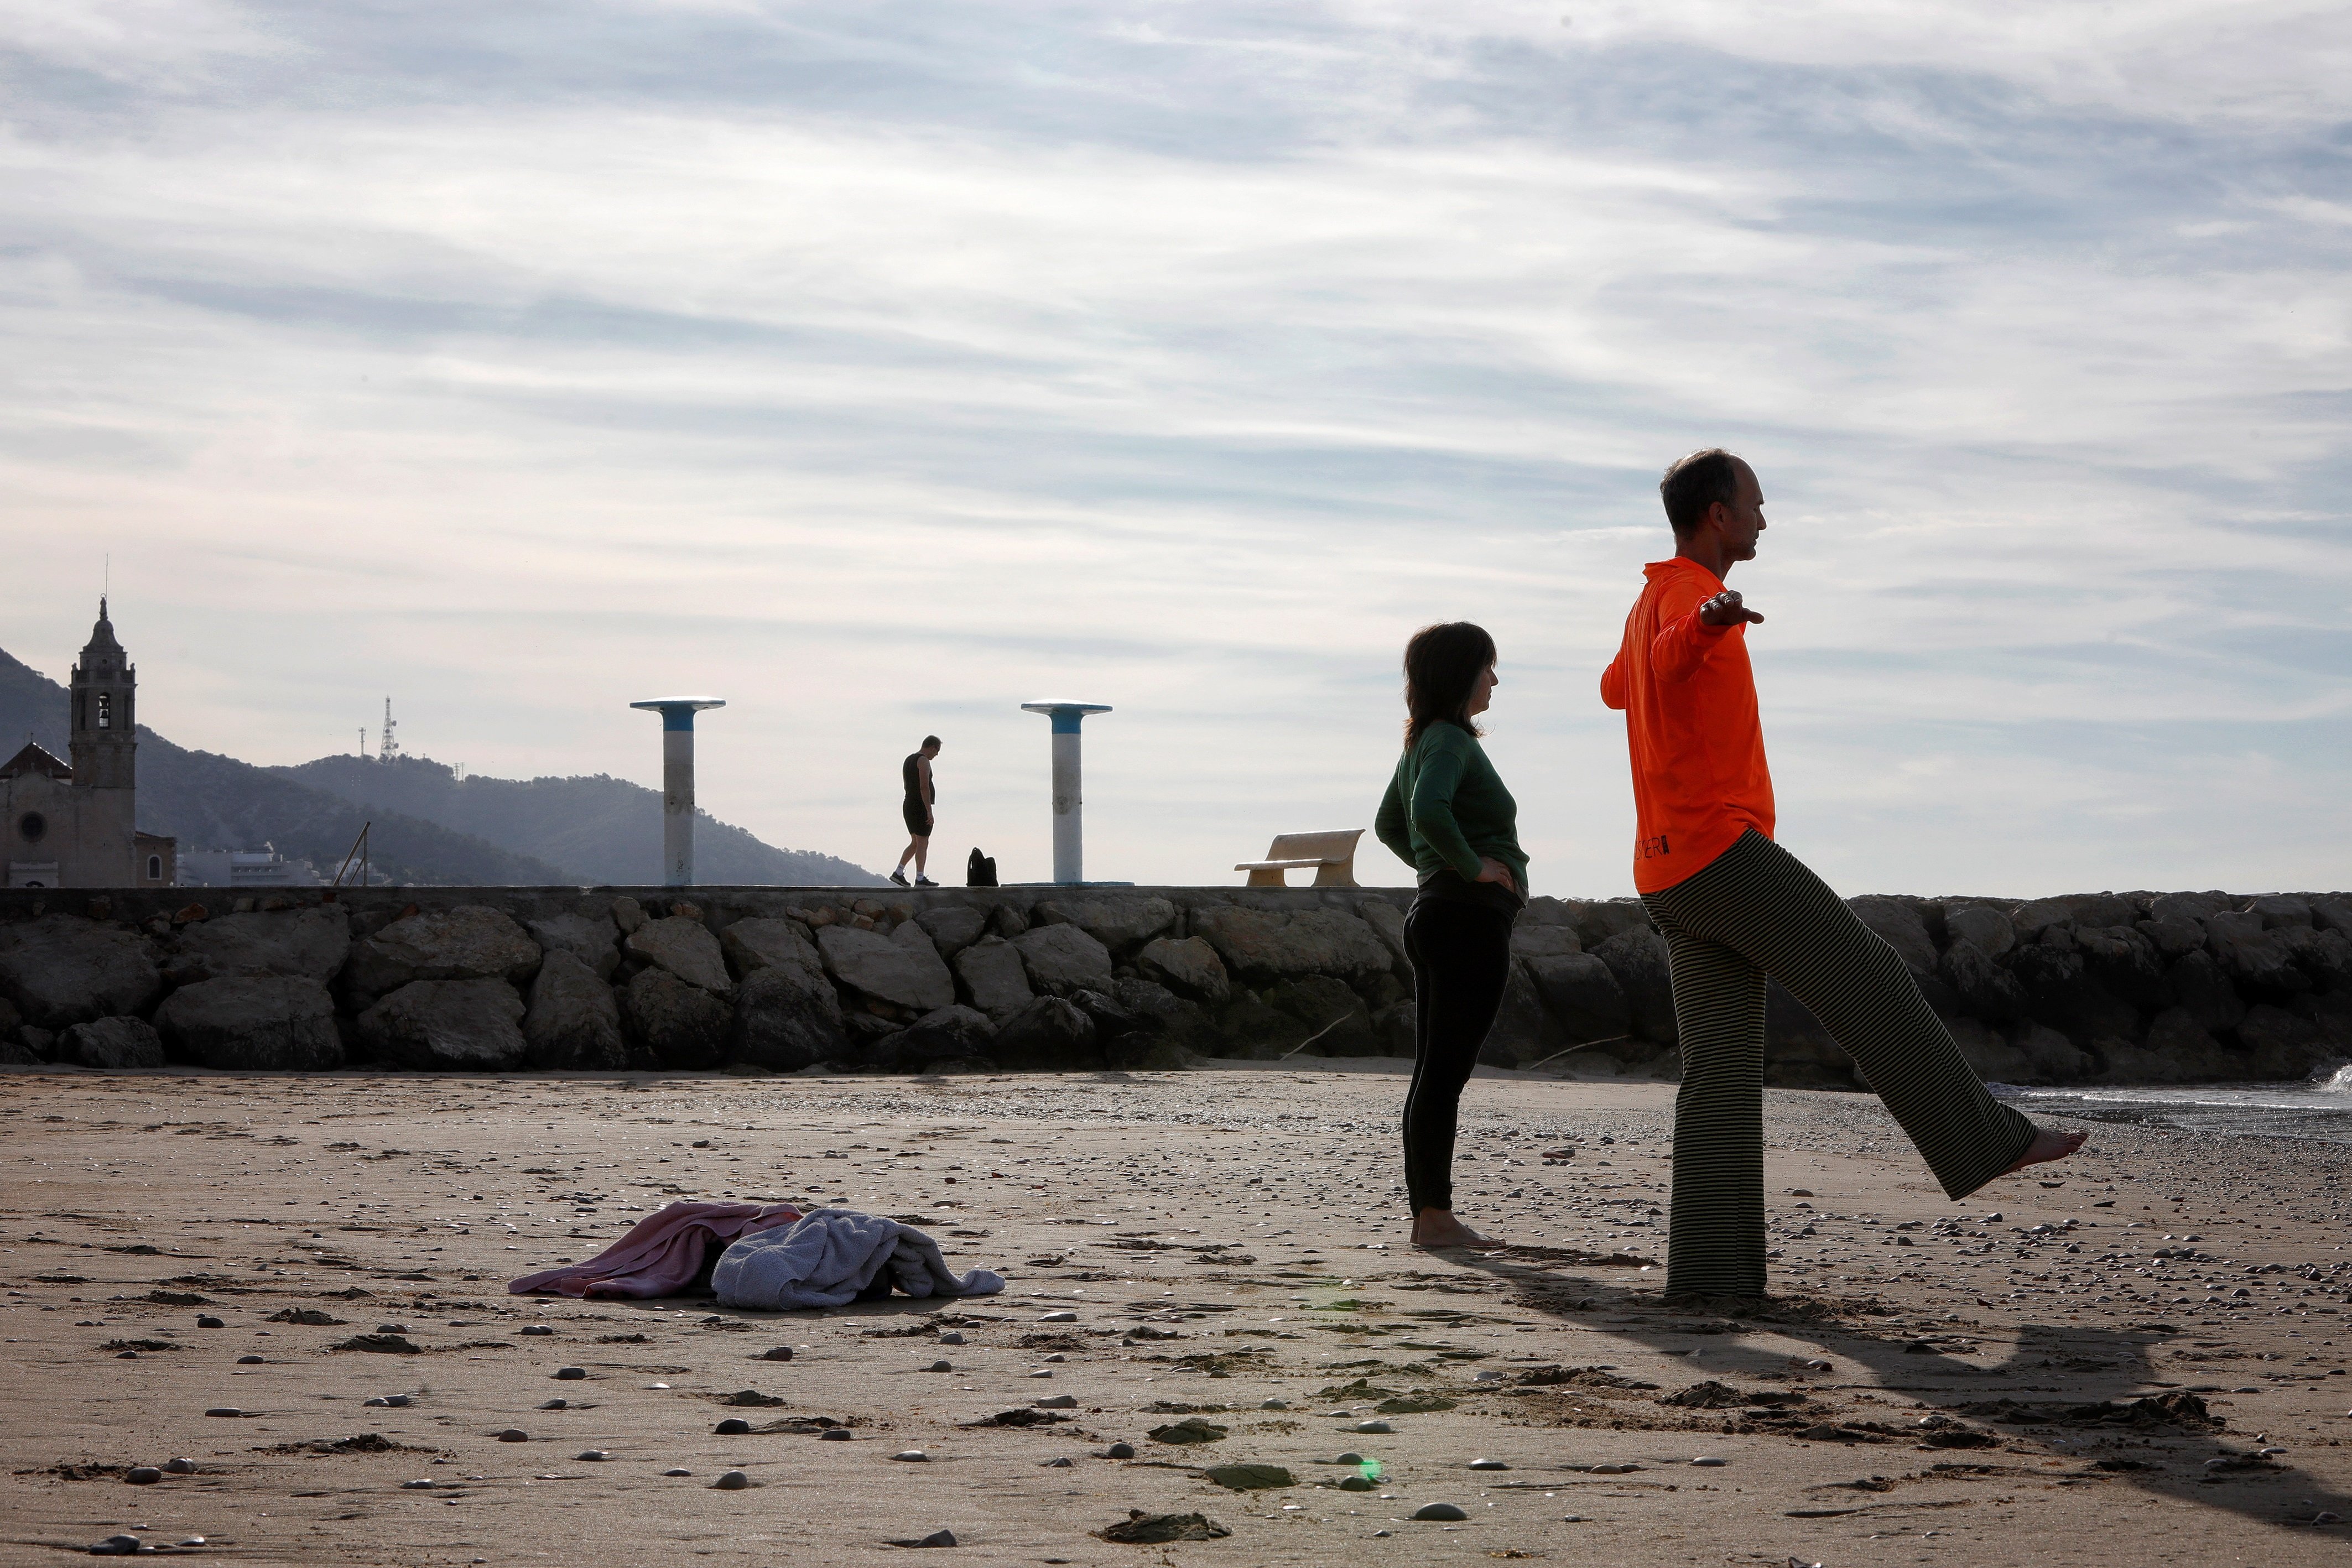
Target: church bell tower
x,y
105,718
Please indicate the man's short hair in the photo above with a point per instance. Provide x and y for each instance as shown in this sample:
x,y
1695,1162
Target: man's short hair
x,y
1694,483
930,741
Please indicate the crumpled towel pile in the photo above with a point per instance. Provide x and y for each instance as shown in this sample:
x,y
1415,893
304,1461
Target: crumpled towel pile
x,y
662,1254
831,1258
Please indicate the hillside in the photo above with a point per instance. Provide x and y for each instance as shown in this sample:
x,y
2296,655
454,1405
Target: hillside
x,y
606,831
210,801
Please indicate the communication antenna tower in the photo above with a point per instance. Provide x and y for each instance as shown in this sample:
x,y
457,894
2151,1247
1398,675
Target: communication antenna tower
x,y
390,747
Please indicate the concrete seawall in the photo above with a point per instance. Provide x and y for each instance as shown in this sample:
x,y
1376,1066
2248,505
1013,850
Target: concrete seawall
x,y
2101,988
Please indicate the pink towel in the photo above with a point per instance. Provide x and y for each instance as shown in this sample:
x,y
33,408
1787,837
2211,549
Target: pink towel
x,y
661,1254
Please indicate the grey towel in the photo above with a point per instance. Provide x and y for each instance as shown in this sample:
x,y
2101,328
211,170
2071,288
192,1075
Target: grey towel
x,y
833,1255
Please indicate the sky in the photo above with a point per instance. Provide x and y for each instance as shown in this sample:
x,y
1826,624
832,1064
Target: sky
x,y
878,367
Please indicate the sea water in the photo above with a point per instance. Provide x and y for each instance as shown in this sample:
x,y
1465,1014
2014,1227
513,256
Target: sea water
x,y
2320,1108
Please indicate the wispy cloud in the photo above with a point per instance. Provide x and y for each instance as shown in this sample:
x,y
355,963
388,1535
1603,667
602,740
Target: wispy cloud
x,y
881,366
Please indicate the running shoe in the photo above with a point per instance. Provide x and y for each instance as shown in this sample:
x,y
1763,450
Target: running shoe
x,y
925,882
899,877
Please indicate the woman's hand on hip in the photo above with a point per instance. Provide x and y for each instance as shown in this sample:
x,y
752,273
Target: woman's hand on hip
x,y
1493,870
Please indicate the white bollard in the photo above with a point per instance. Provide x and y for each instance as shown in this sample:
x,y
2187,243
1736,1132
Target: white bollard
x,y
1069,802
678,783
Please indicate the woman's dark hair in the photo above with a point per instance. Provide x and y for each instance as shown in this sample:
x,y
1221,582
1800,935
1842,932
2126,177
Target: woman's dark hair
x,y
1442,664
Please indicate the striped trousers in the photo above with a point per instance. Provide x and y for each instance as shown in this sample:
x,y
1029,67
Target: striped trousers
x,y
1753,915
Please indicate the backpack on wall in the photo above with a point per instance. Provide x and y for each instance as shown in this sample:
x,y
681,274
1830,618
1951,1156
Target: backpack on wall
x,y
980,871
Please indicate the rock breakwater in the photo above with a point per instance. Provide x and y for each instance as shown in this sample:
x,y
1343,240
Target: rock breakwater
x,y
2101,988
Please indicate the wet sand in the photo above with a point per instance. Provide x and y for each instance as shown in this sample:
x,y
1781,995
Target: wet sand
x,y
1224,1239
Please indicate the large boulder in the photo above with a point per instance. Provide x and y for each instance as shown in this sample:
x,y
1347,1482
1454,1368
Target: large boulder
x,y
1051,1034
1338,1021
788,1018
112,1044
876,967
254,1024
2275,1045
1521,1035
2189,908
1189,967
685,947
953,926
1986,989
1064,958
1983,925
1638,958
683,1025
1162,1015
1581,993
2126,962
923,952
2279,910
1249,1029
471,942
1897,923
307,944
1264,945
1544,941
2258,959
2178,1050
572,1021
468,1026
2172,938
954,1035
994,976
1596,923
1387,922
587,938
761,943
2205,993
62,969
2326,956
1119,921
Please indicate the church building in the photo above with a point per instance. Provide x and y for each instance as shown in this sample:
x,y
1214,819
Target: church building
x,y
74,824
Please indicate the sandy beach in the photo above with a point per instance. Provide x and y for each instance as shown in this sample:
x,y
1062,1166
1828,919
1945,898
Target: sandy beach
x,y
2134,1358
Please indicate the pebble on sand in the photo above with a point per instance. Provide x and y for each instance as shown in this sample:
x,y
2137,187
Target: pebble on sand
x,y
1374,1426
912,1456
591,1456
403,1401
209,1321
1059,1318
1489,1465
1273,1405
937,1537
544,1404
570,1374
678,1472
951,1337
231,1411
115,1546
733,1480
1059,1402
179,1467
143,1475
514,1434
1356,1483
1447,1511
785,1352
940,1367
834,1434
1707,1462
1119,1451
733,1427
248,1361
537,1329
425,1483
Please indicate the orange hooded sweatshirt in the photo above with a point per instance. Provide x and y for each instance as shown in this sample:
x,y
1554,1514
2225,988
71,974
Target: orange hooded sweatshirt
x,y
1689,698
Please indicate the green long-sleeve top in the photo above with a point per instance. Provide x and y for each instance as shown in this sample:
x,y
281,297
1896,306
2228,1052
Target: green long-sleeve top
x,y
1447,809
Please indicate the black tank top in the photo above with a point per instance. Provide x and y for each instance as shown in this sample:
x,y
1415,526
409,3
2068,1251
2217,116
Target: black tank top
x,y
915,779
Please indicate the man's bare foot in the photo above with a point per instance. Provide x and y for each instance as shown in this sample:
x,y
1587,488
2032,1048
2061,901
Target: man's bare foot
x,y
1438,1228
2047,1146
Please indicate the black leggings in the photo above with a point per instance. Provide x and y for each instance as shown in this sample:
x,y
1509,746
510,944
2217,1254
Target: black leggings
x,y
1461,956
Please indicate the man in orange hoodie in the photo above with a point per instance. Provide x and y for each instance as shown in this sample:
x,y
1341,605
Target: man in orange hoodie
x,y
1737,911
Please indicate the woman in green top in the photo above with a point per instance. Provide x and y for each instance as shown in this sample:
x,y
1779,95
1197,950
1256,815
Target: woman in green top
x,y
1447,813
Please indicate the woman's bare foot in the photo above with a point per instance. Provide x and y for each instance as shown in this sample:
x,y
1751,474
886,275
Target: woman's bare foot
x,y
2047,1146
1438,1228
